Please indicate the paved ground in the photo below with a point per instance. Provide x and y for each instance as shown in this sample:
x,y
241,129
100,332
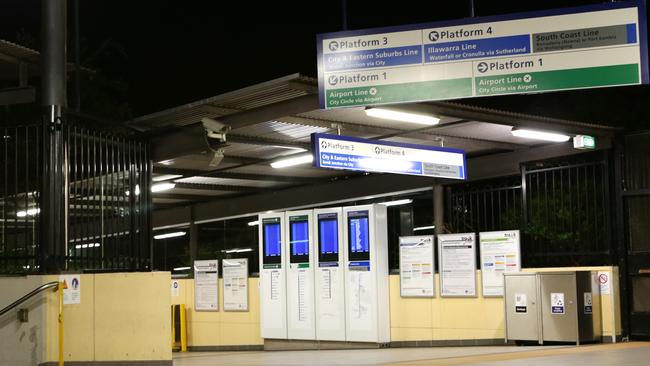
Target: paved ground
x,y
628,354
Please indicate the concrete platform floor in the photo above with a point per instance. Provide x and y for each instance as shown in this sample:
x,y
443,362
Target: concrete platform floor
x,y
628,354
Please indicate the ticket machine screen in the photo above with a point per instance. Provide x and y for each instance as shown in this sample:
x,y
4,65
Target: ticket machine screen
x,y
328,238
272,242
299,241
358,236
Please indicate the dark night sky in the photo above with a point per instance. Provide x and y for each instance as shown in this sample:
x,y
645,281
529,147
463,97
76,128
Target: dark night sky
x,y
180,51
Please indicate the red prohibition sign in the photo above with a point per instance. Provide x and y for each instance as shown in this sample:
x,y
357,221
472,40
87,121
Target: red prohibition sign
x,y
602,278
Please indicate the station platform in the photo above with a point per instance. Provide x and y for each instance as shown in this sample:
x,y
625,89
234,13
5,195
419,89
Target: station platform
x,y
629,354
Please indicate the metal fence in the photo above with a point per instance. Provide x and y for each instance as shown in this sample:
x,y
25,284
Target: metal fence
x,y
485,206
562,208
109,203
566,212
20,162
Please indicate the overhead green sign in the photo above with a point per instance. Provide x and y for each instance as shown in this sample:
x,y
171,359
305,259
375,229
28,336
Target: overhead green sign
x,y
583,47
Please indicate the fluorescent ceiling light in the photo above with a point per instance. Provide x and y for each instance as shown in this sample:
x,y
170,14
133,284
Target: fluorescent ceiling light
x,y
253,223
182,268
397,202
291,161
238,250
85,246
169,235
160,178
396,115
162,187
540,135
29,212
424,228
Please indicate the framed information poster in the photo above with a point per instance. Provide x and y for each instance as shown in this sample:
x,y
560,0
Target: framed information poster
x,y
235,284
500,253
416,266
206,285
457,265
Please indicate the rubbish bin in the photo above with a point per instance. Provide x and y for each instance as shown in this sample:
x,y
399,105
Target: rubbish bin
x,y
570,306
522,307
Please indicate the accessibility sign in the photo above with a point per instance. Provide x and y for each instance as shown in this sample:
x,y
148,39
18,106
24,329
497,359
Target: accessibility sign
x,y
582,47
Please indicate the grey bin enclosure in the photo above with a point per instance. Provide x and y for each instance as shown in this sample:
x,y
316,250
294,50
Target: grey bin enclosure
x,y
523,316
553,307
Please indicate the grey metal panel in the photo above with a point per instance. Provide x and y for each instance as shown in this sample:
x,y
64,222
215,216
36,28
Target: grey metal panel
x,y
589,323
522,322
559,327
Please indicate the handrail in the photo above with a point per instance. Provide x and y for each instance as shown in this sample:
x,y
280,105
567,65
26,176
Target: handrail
x,y
34,292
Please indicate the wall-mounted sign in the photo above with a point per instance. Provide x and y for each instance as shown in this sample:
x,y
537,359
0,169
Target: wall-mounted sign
x,y
235,284
581,47
351,153
457,253
416,270
500,253
206,285
71,294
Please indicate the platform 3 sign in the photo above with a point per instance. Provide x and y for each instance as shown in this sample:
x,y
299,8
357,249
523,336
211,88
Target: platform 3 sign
x,y
351,153
572,48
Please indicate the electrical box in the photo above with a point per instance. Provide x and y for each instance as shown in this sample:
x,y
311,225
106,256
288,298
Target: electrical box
x,y
299,255
329,271
366,274
272,282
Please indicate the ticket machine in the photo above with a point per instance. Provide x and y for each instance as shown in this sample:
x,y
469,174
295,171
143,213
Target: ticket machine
x,y
272,282
301,323
329,271
365,236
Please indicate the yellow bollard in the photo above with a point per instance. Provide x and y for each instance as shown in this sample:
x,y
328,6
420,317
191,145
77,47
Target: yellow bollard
x,y
183,328
60,288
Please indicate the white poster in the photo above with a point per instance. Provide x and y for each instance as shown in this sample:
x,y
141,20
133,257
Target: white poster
x,y
360,301
588,303
235,284
457,264
416,266
604,279
500,253
175,290
557,303
206,285
71,294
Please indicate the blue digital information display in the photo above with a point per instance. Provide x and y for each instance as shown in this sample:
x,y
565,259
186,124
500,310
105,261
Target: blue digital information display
x,y
272,247
359,234
299,238
329,240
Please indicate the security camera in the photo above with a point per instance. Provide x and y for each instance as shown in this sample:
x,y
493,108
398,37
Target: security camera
x,y
215,133
215,129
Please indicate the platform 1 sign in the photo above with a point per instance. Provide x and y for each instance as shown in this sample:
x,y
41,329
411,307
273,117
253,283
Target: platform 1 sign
x,y
352,153
573,48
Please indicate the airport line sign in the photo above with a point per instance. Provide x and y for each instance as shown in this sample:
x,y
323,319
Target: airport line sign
x,y
572,48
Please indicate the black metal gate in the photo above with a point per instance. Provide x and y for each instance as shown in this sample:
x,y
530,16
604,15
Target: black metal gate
x,y
633,173
108,179
562,208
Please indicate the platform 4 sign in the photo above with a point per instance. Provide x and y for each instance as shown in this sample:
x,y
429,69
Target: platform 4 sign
x,y
582,47
352,153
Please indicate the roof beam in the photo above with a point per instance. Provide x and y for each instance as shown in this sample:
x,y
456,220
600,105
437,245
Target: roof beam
x,y
518,120
264,141
232,175
374,130
220,187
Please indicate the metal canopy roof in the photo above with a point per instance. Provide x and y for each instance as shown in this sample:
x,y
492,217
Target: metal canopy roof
x,y
276,118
